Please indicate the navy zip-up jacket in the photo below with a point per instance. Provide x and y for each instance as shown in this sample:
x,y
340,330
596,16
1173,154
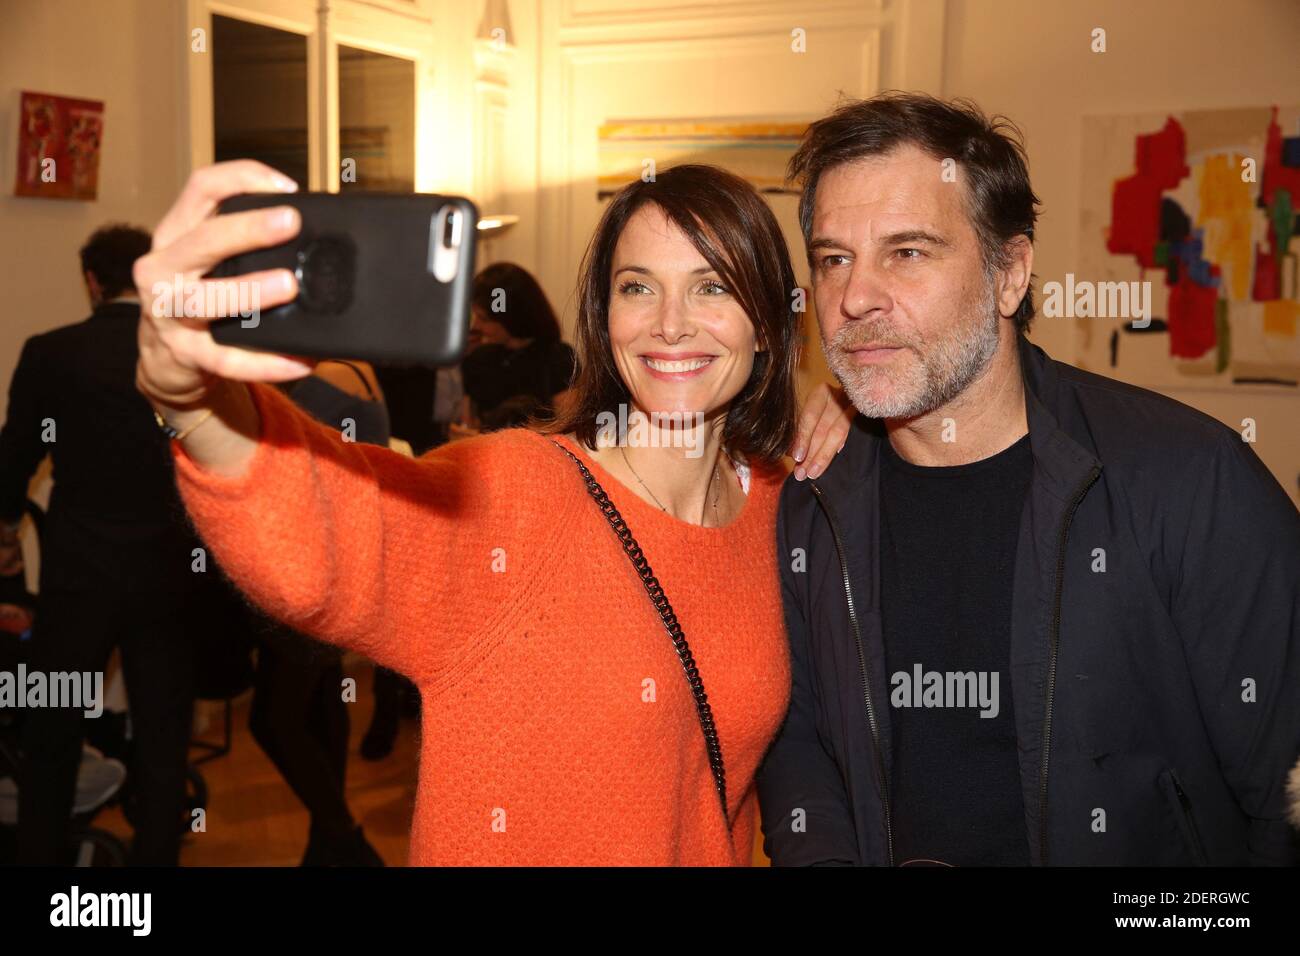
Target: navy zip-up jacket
x,y
1157,701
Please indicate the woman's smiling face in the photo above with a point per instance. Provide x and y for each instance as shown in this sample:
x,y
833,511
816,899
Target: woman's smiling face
x,y
681,341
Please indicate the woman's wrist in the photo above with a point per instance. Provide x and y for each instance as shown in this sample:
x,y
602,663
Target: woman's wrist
x,y
179,426
218,431
178,418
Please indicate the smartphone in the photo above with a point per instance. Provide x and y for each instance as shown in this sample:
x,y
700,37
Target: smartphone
x,y
382,277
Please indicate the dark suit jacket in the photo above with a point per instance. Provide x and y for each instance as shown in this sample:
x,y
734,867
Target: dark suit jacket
x,y
115,520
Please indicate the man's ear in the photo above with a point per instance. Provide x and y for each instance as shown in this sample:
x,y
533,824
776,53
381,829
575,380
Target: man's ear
x,y
1013,281
93,288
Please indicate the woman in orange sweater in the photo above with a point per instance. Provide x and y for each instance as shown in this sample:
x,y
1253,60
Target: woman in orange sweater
x,y
569,717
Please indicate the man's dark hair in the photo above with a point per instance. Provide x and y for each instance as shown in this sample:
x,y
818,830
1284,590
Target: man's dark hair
x,y
989,151
110,253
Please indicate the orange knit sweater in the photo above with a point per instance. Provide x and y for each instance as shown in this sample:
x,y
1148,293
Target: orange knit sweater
x,y
558,726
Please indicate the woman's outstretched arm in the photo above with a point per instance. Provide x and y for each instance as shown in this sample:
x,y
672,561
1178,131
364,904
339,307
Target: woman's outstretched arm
x,y
366,548
351,543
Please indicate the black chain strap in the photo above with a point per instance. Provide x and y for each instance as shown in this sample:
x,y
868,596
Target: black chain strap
x,y
660,601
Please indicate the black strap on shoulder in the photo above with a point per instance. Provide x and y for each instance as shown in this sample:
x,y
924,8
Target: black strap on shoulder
x,y
660,601
360,374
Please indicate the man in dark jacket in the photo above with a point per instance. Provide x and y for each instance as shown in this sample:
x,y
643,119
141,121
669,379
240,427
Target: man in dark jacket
x,y
116,557
1036,616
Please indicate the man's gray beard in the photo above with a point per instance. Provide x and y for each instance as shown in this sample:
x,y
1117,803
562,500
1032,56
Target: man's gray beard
x,y
947,366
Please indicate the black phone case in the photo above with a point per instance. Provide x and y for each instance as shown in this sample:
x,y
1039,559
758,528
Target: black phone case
x,y
366,282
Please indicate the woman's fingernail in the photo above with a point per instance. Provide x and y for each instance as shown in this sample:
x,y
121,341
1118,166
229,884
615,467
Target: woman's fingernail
x,y
280,281
275,283
799,453
282,218
799,473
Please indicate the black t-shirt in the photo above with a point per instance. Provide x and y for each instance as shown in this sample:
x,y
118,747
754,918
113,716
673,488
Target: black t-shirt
x,y
948,550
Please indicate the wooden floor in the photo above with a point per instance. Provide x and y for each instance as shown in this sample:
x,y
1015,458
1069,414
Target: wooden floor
x,y
253,818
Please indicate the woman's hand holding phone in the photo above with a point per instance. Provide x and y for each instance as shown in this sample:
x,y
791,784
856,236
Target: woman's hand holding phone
x,y
187,376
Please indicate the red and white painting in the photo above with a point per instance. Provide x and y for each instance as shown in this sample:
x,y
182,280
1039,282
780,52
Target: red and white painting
x,y
59,141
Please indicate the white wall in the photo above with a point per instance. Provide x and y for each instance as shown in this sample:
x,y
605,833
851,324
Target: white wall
x,y
123,53
1032,61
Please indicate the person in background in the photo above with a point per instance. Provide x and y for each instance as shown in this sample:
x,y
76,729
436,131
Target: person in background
x,y
515,412
515,348
116,556
298,715
413,396
410,394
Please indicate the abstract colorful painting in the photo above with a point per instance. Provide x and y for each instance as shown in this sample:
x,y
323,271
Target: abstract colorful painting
x,y
1203,206
756,150
58,146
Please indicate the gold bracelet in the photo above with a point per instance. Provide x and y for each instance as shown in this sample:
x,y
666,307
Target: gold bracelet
x,y
170,430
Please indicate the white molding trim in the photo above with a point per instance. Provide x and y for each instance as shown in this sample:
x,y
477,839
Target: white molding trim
x,y
375,30
323,105
326,24
565,51
291,16
493,62
493,107
421,10
720,20
582,14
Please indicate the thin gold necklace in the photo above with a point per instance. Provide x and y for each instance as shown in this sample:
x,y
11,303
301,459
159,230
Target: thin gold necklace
x,y
655,498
